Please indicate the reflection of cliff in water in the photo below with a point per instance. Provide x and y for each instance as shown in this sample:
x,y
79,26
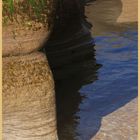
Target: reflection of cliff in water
x,y
70,46
69,76
68,101
71,54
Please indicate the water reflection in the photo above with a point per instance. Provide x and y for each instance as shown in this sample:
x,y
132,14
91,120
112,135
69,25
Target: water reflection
x,y
116,84
68,100
85,97
71,55
73,65
90,84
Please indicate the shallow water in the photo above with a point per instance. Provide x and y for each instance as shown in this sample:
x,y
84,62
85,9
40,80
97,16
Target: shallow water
x,y
97,82
116,84
81,106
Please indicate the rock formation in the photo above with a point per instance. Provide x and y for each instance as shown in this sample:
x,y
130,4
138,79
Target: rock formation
x,y
28,87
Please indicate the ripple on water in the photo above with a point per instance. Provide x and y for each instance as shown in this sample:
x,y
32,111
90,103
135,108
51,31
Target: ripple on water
x,y
116,84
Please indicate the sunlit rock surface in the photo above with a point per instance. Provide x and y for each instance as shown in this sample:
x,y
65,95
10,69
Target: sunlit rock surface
x,y
28,98
28,86
27,34
23,41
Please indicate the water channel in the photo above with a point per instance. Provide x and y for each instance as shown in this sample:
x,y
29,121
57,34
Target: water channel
x,y
94,62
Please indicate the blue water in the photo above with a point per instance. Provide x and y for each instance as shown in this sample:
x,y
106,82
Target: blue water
x,y
116,82
94,76
93,87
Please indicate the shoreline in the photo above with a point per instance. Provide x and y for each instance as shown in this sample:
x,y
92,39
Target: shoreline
x,y
109,15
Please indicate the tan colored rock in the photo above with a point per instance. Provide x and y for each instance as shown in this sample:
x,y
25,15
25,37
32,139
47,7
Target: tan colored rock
x,y
28,98
27,34
22,41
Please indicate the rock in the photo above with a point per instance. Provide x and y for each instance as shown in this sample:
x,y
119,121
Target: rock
x,y
27,34
23,41
28,98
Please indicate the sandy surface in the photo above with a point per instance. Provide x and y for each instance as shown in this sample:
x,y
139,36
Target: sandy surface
x,y
111,15
119,125
107,16
129,11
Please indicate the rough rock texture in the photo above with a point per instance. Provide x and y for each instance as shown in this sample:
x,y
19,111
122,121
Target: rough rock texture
x,y
120,125
22,41
27,36
28,98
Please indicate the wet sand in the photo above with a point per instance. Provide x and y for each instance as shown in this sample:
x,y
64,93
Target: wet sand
x,y
120,125
109,111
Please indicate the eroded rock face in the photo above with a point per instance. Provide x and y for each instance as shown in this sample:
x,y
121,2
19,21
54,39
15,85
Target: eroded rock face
x,y
28,98
27,34
28,87
25,41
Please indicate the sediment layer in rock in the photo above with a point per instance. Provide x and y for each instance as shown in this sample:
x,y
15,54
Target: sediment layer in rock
x,y
28,98
25,34
22,41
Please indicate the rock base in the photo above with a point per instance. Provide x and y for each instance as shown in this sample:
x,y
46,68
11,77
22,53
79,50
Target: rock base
x,y
28,98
